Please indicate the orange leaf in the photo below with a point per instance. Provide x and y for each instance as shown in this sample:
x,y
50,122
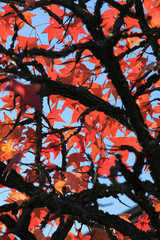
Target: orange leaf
x,y
157,207
125,216
148,4
153,16
17,197
156,204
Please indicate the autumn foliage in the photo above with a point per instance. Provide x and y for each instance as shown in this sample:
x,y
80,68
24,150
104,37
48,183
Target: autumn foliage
x,y
79,118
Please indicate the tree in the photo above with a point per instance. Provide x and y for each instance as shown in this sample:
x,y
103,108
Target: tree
x,y
75,108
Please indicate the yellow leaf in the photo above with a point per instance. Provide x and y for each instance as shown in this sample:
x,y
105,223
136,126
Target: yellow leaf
x,y
7,147
18,197
7,151
59,186
125,217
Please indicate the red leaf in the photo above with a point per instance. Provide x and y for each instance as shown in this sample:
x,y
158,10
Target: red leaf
x,y
5,26
5,237
38,234
28,94
16,159
104,165
76,159
76,181
17,197
28,17
24,42
29,3
54,116
54,31
99,234
143,223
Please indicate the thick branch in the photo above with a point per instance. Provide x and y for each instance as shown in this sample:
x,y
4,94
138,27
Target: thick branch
x,y
68,206
14,180
14,228
144,26
84,97
53,54
88,215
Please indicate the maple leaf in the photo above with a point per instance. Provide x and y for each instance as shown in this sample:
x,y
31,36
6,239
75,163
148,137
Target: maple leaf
x,y
5,129
27,16
7,150
54,30
148,4
54,144
29,3
97,149
5,237
24,42
150,66
76,180
109,18
38,234
143,223
112,89
59,186
8,99
36,217
157,207
125,216
131,141
54,116
153,16
75,159
28,94
71,236
17,197
30,139
156,204
5,26
104,165
30,175
16,159
99,234
130,41
145,107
